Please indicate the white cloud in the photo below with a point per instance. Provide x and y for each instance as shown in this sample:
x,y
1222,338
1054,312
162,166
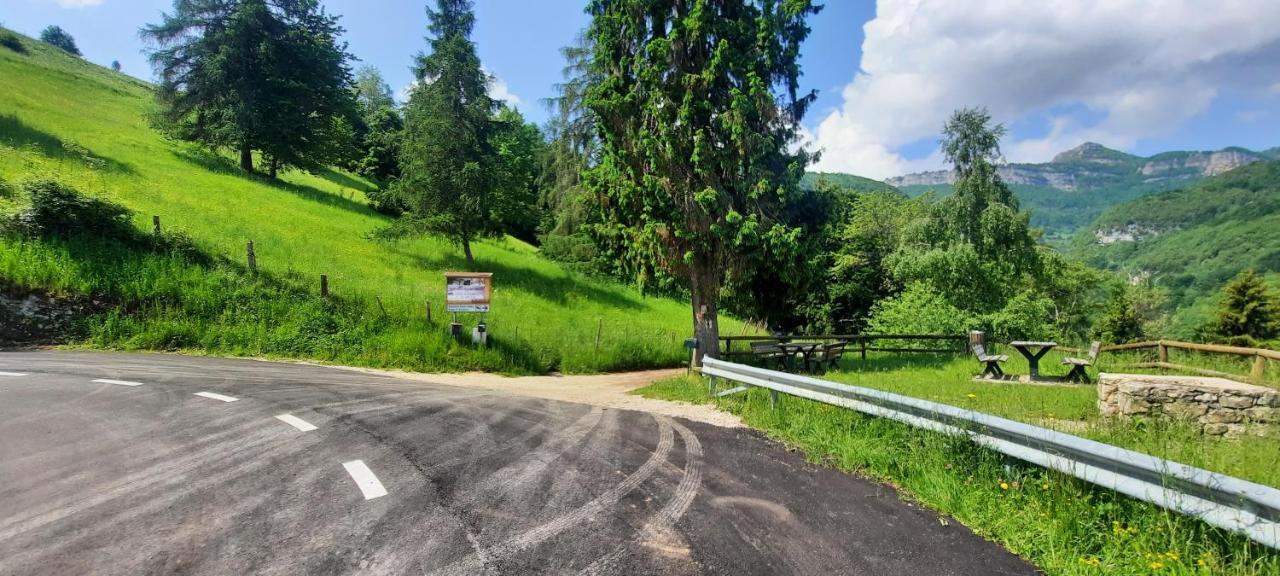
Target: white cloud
x,y
1141,67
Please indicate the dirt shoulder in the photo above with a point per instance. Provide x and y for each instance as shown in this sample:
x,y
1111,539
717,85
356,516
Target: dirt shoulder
x,y
604,390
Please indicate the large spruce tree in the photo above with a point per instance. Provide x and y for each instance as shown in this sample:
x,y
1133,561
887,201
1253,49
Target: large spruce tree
x,y
254,75
1248,313
698,109
448,161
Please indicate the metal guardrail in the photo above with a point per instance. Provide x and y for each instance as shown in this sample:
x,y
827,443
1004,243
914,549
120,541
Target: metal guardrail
x,y
1223,501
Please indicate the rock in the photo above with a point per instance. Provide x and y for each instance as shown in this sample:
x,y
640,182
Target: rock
x,y
1186,410
1262,414
1224,417
1130,405
1207,398
1215,429
1234,401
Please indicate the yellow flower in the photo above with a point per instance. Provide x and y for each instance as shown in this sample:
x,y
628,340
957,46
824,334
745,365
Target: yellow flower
x,y
971,395
1172,554
1044,486
1004,485
1157,565
1090,561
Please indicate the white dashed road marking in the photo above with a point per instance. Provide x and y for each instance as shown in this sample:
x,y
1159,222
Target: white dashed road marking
x,y
368,483
212,396
118,382
14,374
296,422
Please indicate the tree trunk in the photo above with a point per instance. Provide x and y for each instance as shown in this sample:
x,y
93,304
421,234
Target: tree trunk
x,y
246,158
704,280
273,167
466,249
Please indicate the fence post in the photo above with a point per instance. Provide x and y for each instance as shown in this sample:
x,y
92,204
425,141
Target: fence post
x,y
155,224
324,285
253,258
976,338
862,342
1162,352
1259,369
599,329
429,312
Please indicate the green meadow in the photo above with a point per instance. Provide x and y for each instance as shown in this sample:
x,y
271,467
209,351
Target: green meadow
x,y
83,125
1063,525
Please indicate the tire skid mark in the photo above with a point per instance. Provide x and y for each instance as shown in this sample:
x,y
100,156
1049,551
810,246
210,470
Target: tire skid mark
x,y
534,463
473,564
59,477
660,530
163,474
228,469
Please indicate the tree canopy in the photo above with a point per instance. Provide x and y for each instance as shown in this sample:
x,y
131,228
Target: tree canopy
x,y
448,160
56,36
255,75
698,110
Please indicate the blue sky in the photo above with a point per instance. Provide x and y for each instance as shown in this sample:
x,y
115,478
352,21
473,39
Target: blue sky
x,y
1112,71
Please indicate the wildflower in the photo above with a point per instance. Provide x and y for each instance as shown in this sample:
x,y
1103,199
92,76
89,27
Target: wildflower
x,y
1004,485
1044,486
1090,560
971,396
1172,555
1156,565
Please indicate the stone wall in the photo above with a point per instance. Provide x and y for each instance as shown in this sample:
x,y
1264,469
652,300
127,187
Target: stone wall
x,y
1219,405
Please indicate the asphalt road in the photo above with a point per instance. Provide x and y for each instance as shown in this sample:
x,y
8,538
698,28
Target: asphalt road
x,y
147,474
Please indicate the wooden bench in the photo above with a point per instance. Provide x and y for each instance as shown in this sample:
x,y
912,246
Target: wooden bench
x,y
992,361
830,354
769,353
1078,366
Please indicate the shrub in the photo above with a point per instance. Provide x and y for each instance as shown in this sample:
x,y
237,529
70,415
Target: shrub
x,y
917,310
11,41
57,209
6,189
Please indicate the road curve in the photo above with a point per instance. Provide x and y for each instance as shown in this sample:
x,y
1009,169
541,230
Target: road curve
x,y
160,464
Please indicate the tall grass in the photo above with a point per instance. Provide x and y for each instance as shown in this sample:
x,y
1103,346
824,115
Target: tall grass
x,y
65,118
1063,525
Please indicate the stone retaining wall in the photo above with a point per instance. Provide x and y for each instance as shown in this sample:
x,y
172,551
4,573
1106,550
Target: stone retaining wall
x,y
1219,405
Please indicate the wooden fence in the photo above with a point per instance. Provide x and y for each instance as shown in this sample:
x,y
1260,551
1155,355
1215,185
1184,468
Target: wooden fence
x,y
862,342
1256,376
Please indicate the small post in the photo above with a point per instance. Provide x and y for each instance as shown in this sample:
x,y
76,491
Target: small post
x,y
429,312
252,258
155,224
324,285
599,330
773,399
381,307
976,338
1259,369
711,385
862,342
1162,352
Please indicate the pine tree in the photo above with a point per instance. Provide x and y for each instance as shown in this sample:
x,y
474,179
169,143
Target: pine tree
x,y
1249,312
698,109
115,65
448,162
255,75
1121,321
56,36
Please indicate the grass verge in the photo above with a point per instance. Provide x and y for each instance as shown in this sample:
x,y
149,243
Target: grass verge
x,y
1063,525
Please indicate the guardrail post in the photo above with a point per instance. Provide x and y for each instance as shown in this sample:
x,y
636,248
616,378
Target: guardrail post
x,y
773,399
1162,352
1259,369
711,385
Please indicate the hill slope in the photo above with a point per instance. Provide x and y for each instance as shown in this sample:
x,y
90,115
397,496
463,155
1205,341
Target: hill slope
x,y
85,125
1066,194
1193,241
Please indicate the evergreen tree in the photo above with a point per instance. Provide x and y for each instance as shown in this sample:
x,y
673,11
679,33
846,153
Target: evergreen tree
x,y
521,151
255,75
115,65
698,112
448,161
1249,312
56,36
378,128
1121,322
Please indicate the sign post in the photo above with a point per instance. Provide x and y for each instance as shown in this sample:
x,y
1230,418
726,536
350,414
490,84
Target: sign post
x,y
468,292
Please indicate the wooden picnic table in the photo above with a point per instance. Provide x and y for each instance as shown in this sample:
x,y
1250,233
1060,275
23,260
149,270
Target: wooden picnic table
x,y
804,349
1033,351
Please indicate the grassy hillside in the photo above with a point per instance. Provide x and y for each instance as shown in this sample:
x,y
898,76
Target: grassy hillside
x,y
1193,241
85,125
857,183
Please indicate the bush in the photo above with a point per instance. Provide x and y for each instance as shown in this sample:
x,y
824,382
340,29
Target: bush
x,y
6,189
11,41
917,310
57,209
